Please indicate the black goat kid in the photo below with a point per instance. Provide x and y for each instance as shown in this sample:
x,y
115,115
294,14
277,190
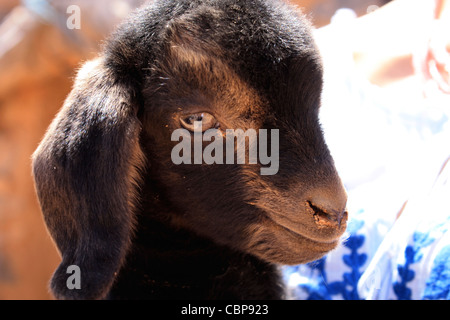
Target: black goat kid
x,y
140,226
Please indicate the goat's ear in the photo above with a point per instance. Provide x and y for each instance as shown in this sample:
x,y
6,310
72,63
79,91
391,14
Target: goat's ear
x,y
86,172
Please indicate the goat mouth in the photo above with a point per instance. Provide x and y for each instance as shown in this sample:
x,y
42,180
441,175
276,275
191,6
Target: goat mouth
x,y
277,243
321,234
324,244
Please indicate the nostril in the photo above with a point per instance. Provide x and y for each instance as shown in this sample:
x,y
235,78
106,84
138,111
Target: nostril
x,y
329,204
317,211
329,215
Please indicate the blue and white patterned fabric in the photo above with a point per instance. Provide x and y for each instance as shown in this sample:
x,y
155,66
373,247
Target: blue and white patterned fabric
x,y
391,152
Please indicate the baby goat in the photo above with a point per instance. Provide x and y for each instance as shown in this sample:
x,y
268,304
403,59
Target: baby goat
x,y
136,224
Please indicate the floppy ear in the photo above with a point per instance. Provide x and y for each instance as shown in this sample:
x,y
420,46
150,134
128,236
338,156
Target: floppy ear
x,y
86,171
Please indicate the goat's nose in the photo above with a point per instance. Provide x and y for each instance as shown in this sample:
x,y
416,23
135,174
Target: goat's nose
x,y
329,205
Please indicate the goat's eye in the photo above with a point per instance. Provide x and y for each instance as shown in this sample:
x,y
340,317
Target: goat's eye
x,y
208,121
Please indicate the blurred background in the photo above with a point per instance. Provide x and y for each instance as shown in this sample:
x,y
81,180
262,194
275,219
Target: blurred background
x,y
39,56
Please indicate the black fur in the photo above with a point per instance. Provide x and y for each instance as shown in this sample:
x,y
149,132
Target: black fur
x,y
139,226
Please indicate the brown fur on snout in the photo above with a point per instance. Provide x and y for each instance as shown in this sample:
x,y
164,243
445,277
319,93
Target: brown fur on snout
x,y
140,226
